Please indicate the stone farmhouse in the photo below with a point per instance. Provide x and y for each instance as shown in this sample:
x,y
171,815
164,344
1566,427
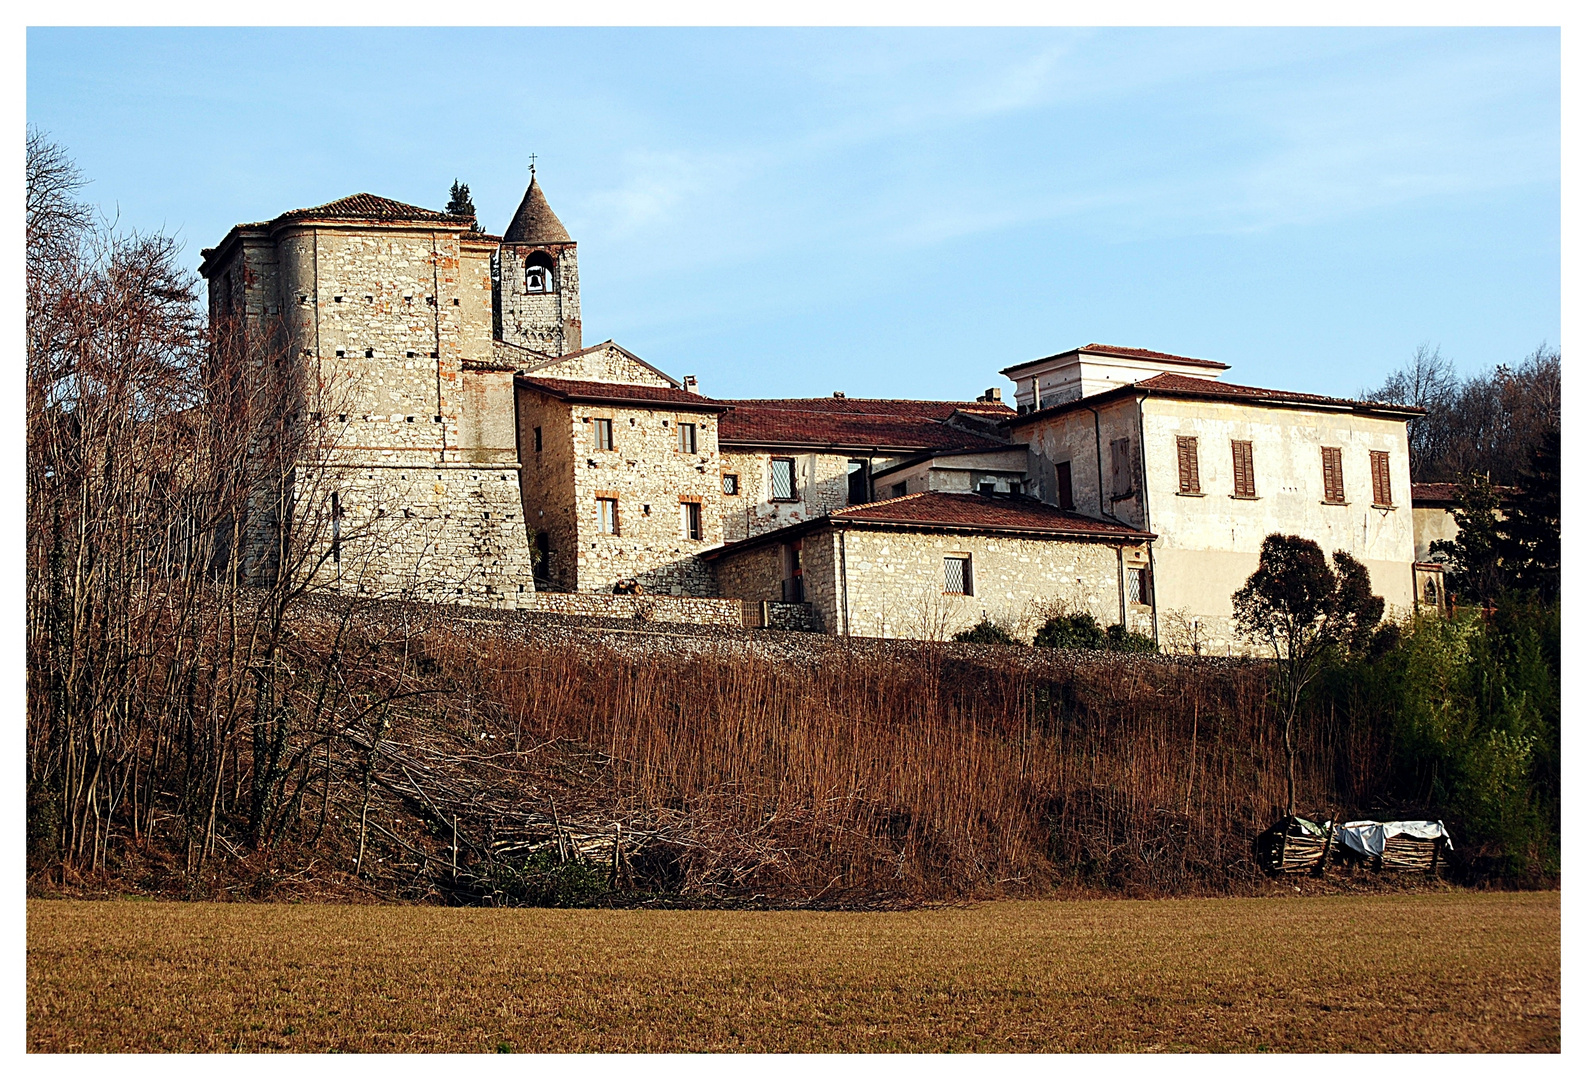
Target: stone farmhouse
x,y
483,455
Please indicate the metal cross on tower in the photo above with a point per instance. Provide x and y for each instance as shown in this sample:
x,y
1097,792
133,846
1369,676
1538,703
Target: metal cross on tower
x,y
532,164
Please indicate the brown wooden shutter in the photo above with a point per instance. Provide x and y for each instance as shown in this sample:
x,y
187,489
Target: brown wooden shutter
x,y
1189,467
1382,495
1333,475
1244,476
1121,468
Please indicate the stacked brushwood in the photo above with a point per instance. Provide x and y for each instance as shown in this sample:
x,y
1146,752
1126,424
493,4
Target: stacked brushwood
x,y
1409,853
1294,846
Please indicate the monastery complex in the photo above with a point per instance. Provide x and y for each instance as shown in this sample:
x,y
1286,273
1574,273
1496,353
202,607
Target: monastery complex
x,y
484,455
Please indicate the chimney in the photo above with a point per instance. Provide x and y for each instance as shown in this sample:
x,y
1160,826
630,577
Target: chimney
x,y
691,385
993,393
839,394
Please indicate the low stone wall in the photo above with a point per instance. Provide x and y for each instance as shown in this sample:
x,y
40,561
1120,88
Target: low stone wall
x,y
684,609
774,615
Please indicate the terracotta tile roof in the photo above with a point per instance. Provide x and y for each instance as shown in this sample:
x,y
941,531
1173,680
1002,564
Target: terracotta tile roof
x,y
879,423
1005,513
1016,515
1172,385
367,207
1438,494
1120,350
621,393
535,222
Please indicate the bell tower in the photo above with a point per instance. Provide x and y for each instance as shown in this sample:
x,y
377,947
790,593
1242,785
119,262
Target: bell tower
x,y
537,283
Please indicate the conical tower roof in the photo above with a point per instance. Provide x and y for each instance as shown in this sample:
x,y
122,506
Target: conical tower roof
x,y
535,223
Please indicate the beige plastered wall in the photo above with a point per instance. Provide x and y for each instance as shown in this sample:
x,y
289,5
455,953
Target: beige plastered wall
x,y
1208,546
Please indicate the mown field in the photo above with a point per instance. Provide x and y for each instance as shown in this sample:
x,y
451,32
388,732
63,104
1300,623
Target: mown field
x,y
1447,971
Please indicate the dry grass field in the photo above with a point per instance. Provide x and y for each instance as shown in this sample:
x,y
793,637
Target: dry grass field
x,y
1445,971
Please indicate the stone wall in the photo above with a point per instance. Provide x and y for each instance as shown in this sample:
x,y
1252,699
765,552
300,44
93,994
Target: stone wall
x,y
648,476
695,610
821,484
606,362
383,317
546,322
895,581
448,533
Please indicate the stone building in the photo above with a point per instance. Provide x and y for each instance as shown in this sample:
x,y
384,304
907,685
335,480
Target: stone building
x,y
789,460
933,563
482,454
388,309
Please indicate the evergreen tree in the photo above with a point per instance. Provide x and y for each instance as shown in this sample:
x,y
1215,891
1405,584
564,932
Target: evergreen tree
x,y
460,202
1528,537
1473,555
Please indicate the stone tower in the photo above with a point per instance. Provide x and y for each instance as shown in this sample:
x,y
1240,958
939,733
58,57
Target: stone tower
x,y
537,282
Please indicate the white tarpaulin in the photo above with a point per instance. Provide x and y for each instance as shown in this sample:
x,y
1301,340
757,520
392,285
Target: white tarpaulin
x,y
1368,837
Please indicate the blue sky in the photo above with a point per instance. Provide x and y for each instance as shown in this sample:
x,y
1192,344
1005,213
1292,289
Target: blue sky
x,y
897,213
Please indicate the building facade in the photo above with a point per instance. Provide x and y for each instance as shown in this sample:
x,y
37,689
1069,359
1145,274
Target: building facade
x,y
482,454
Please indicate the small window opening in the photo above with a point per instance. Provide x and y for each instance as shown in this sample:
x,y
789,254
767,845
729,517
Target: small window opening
x,y
1066,487
603,434
606,512
686,439
691,520
859,482
538,441
729,483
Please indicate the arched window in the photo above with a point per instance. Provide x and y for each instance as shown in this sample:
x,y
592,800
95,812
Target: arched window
x,y
538,274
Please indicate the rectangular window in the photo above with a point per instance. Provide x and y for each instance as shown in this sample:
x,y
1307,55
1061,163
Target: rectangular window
x,y
1066,487
730,483
859,482
686,439
1138,585
900,490
986,487
1189,466
603,434
1015,487
1244,475
1382,494
1123,475
956,575
607,511
539,442
691,520
1333,475
782,480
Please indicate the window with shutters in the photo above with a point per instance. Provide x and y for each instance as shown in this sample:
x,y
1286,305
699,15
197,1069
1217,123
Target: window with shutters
x,y
690,512
1189,467
606,513
1066,487
782,480
956,575
1382,494
1333,475
1123,474
686,439
1244,476
603,434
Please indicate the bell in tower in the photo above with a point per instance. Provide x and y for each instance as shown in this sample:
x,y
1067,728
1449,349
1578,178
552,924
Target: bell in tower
x,y
537,286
